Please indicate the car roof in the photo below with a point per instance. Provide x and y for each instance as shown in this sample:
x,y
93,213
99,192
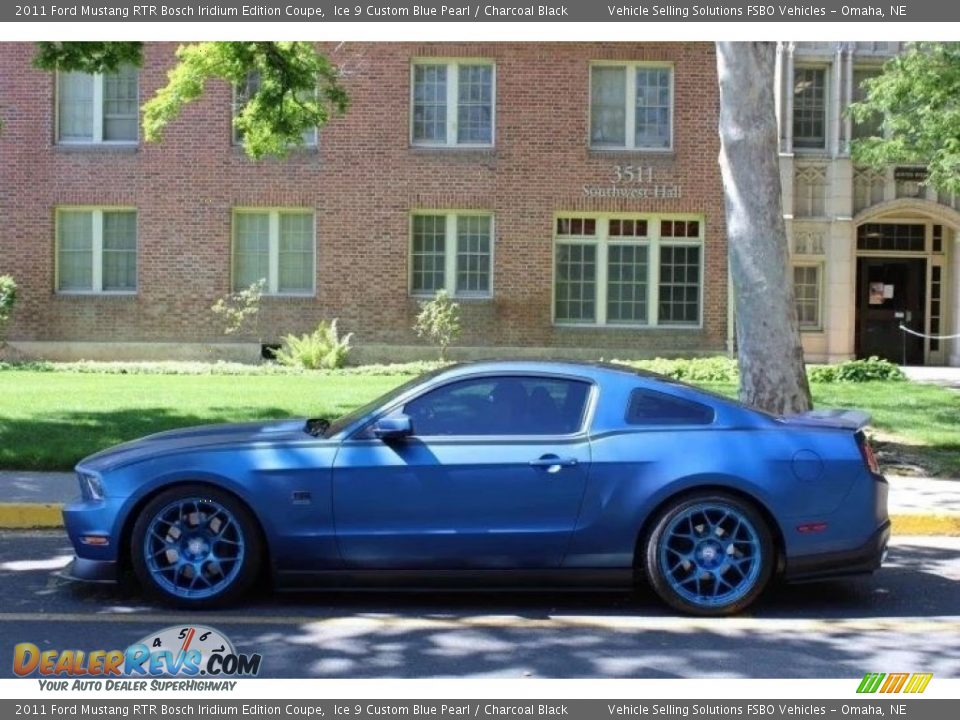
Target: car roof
x,y
563,367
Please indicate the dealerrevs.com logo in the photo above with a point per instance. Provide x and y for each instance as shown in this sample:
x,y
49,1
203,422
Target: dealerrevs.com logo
x,y
894,682
178,651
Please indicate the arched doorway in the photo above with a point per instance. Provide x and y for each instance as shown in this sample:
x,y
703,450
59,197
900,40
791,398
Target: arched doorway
x,y
901,251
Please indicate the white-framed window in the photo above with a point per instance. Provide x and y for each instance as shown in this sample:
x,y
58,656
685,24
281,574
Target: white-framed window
x,y
631,106
96,250
807,290
451,251
241,96
636,270
101,108
276,245
453,104
810,108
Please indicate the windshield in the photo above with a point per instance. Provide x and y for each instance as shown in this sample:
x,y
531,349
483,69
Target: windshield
x,y
341,423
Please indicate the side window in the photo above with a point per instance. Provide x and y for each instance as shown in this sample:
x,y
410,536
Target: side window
x,y
647,407
503,405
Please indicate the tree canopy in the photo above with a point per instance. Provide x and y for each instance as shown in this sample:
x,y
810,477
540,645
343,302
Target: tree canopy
x,y
288,88
918,96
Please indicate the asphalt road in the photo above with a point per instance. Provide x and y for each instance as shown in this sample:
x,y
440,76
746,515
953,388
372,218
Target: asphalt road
x,y
907,616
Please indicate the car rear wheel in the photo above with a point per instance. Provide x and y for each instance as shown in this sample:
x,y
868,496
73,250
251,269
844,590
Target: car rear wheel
x,y
196,546
709,554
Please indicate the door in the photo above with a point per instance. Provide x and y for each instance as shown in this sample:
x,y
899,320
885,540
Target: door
x,y
492,477
890,292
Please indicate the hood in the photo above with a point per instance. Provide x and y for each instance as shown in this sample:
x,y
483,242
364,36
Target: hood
x,y
193,438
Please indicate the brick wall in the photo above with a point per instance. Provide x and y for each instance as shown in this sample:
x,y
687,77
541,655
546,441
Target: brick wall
x,y
363,181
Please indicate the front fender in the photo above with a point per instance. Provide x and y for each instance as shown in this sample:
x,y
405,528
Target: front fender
x,y
287,490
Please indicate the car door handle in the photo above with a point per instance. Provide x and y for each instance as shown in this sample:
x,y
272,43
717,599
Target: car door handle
x,y
552,463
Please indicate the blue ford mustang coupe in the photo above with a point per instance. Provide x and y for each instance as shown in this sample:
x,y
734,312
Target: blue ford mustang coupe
x,y
516,474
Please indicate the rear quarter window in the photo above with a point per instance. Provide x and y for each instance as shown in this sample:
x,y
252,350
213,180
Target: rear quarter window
x,y
648,407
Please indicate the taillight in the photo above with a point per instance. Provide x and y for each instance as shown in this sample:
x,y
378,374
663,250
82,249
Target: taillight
x,y
869,458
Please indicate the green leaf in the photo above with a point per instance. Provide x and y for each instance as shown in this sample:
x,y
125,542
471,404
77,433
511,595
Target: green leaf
x,y
918,95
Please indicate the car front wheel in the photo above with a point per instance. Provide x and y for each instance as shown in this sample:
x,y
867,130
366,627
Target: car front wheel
x,y
709,554
196,546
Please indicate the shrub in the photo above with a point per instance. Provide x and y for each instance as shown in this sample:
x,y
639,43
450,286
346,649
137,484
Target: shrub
x,y
439,322
717,369
854,371
220,367
239,309
8,298
321,349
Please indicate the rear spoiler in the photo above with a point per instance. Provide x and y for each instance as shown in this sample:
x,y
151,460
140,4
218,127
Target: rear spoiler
x,y
831,417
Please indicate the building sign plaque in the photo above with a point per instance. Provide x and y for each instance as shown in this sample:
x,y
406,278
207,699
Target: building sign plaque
x,y
910,174
635,182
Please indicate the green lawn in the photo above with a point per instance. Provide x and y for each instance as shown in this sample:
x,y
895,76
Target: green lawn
x,y
49,420
913,424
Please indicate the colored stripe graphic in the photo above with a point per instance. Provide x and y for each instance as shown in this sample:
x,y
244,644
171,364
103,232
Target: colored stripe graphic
x,y
918,683
870,682
895,682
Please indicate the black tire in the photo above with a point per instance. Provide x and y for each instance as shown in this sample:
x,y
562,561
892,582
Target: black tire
x,y
239,581
683,596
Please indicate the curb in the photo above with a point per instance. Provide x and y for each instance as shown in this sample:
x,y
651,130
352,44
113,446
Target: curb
x,y
926,524
45,516
21,516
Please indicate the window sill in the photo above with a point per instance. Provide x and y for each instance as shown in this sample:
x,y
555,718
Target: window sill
x,y
117,295
669,153
124,148
454,149
288,296
458,298
623,327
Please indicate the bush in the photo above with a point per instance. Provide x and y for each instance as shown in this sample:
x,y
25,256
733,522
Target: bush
x,y
321,349
8,298
187,367
717,369
439,322
238,310
854,371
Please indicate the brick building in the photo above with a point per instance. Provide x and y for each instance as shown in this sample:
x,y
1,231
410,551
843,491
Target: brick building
x,y
567,194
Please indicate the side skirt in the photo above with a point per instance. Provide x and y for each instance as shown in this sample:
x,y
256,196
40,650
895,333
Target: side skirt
x,y
576,579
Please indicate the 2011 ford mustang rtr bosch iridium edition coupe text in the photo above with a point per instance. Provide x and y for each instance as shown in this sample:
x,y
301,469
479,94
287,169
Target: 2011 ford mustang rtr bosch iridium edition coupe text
x,y
494,474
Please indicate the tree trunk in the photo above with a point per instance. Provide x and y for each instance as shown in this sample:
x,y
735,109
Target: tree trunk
x,y
772,374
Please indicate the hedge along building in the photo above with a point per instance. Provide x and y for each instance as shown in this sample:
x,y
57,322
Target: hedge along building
x,y
871,249
567,195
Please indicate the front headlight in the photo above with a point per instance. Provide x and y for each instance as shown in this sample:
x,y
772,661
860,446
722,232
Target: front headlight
x,y
91,486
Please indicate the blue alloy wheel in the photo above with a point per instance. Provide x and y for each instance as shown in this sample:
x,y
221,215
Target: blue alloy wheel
x,y
196,546
710,555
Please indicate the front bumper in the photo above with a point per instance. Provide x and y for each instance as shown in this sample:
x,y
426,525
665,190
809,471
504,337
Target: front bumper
x,y
858,561
98,518
94,571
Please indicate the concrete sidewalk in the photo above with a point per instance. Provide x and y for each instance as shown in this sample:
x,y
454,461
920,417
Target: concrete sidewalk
x,y
943,376
919,506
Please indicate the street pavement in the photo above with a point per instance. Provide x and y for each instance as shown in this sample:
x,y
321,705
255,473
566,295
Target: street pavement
x,y
907,616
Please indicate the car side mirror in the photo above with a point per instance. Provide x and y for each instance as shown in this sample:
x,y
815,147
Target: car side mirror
x,y
395,427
